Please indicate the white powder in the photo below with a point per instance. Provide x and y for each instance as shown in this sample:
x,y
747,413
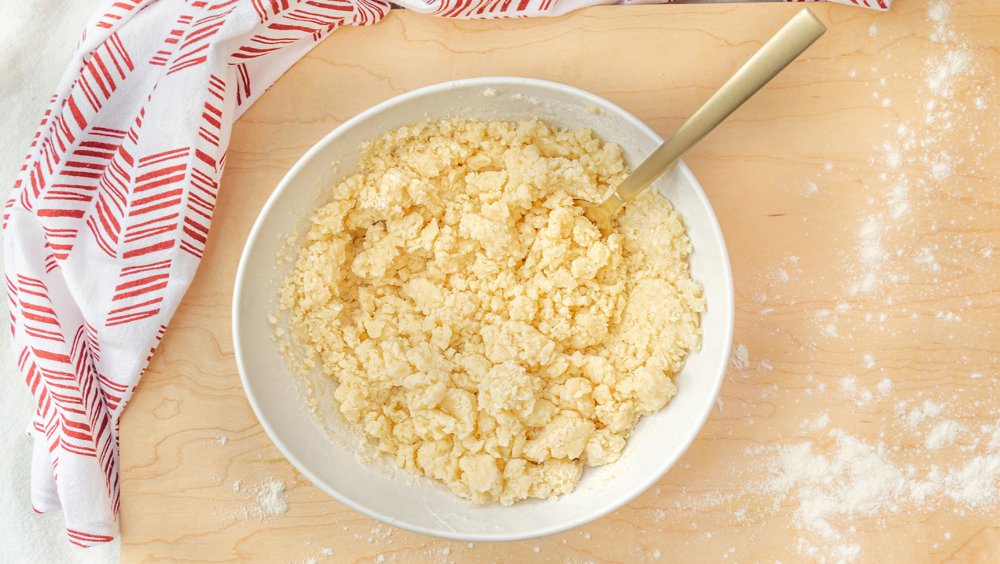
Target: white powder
x,y
871,253
975,484
899,200
942,435
870,235
928,409
864,397
271,498
926,257
872,30
980,103
938,11
828,490
323,553
942,71
830,330
490,92
884,386
854,480
849,384
740,359
941,169
221,440
265,500
379,533
811,188
817,424
893,158
869,361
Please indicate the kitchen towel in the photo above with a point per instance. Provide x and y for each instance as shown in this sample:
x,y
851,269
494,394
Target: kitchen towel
x,y
109,215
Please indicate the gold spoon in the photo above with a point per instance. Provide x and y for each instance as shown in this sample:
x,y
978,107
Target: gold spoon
x,y
783,47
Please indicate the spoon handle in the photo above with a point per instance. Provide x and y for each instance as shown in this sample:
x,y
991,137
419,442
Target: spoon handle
x,y
780,50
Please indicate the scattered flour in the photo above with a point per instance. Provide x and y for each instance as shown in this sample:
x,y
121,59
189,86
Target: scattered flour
x,y
271,498
884,386
926,256
854,480
975,484
899,200
849,384
830,487
817,424
324,553
942,71
929,409
938,13
941,169
221,440
869,361
942,435
872,254
740,359
266,500
870,235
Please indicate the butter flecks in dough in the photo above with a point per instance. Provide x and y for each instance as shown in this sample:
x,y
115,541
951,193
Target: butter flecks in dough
x,y
482,331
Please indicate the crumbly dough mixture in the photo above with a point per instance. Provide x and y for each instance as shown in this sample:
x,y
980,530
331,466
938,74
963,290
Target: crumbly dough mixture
x,y
482,331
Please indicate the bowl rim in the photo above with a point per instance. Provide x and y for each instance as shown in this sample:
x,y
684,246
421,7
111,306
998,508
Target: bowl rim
x,y
728,303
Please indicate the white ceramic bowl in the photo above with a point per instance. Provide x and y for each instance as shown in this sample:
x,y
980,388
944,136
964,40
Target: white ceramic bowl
x,y
327,454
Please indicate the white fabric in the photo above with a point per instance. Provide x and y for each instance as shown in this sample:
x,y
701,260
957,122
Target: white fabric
x,y
31,64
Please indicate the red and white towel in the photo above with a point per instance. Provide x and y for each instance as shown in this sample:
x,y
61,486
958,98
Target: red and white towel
x,y
109,216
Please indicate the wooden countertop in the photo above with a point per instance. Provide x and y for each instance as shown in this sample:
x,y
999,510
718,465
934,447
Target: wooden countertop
x,y
805,180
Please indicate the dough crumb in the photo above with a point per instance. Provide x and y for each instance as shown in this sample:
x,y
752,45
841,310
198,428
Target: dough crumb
x,y
482,331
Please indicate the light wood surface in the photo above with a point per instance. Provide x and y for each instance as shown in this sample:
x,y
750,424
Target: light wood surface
x,y
795,173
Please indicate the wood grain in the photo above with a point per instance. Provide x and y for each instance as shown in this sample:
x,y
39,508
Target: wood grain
x,y
793,176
